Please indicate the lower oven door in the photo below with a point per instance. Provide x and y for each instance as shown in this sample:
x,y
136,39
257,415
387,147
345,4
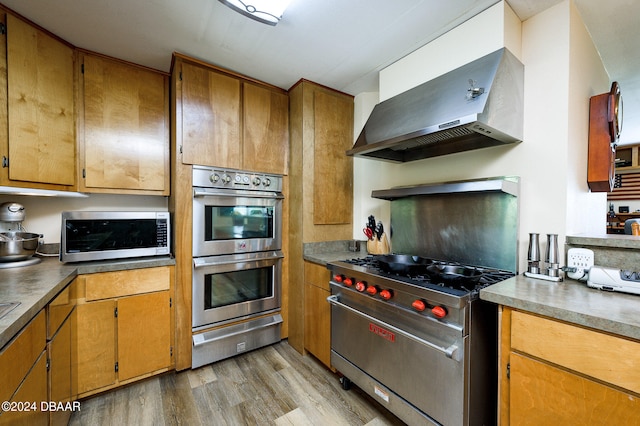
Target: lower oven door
x,y
424,369
235,286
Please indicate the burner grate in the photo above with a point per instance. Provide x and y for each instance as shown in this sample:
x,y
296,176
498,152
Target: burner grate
x,y
489,276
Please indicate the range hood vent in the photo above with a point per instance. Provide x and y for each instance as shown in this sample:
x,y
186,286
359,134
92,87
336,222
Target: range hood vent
x,y
475,106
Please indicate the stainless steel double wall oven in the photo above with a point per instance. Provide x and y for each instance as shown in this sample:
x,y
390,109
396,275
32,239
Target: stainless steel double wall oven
x,y
237,262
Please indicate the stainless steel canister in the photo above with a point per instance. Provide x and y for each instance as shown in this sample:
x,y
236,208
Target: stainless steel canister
x,y
533,258
551,258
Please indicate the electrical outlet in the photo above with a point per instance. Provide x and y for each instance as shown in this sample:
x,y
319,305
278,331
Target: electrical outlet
x,y
582,260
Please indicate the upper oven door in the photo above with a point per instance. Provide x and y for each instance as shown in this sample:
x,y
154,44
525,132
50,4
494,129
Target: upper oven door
x,y
233,221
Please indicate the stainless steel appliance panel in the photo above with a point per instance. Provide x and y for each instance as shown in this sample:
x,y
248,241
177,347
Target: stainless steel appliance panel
x,y
235,221
89,235
235,286
471,228
385,396
425,371
235,339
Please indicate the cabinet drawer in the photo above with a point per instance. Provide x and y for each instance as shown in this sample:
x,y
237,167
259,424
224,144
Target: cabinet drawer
x,y
316,275
545,395
608,358
108,285
59,309
20,354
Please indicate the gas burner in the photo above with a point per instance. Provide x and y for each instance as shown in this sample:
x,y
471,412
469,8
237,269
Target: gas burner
x,y
460,285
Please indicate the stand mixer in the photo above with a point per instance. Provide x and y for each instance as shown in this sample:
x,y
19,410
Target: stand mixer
x,y
17,246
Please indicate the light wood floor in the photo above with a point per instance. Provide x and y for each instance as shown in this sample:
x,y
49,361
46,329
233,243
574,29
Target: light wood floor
x,y
269,386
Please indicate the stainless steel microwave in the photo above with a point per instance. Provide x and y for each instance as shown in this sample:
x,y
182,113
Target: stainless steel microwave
x,y
88,235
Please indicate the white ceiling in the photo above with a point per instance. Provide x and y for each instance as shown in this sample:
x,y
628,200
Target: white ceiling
x,y
339,43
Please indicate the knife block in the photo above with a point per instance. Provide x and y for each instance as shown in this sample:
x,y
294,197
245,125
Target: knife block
x,y
380,246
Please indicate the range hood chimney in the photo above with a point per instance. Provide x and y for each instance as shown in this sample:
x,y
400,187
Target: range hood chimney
x,y
477,105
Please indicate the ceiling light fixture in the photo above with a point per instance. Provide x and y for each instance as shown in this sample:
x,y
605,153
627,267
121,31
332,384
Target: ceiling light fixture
x,y
266,11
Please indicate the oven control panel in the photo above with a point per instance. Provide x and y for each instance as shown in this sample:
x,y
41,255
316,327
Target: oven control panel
x,y
213,177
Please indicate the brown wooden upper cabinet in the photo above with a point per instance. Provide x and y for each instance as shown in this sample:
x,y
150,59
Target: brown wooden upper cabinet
x,y
225,120
38,147
266,129
124,131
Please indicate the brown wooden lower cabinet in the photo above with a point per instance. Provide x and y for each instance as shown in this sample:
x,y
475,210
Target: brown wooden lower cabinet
x,y
144,334
60,322
96,343
60,359
554,372
543,394
31,392
126,336
23,375
317,312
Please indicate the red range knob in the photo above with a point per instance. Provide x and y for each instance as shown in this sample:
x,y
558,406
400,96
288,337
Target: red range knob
x,y
439,311
361,285
386,294
372,290
419,305
348,282
338,278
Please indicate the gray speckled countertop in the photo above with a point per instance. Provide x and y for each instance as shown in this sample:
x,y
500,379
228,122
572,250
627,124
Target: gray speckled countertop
x,y
328,251
570,301
605,240
36,285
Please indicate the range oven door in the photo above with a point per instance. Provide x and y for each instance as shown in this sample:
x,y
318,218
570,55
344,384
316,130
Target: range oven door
x,y
402,360
236,221
236,286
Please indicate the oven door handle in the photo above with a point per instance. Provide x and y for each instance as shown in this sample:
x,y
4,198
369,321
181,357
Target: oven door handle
x,y
238,193
202,339
204,263
451,352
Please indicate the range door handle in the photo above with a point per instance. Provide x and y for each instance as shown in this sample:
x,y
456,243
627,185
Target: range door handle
x,y
452,352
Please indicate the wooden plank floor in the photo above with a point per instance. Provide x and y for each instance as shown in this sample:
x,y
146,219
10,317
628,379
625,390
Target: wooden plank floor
x,y
269,386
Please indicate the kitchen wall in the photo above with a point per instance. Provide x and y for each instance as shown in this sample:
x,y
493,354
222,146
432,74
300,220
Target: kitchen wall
x,y
43,214
562,71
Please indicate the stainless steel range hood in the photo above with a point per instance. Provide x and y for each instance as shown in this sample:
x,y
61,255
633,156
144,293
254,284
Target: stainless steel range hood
x,y
475,106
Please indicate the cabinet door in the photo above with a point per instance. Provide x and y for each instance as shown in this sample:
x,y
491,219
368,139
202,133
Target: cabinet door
x,y
333,135
59,350
96,345
144,334
317,323
543,395
40,106
33,390
266,130
211,119
19,355
126,131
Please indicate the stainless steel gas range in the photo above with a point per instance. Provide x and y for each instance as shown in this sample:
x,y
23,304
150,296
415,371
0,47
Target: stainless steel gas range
x,y
409,328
